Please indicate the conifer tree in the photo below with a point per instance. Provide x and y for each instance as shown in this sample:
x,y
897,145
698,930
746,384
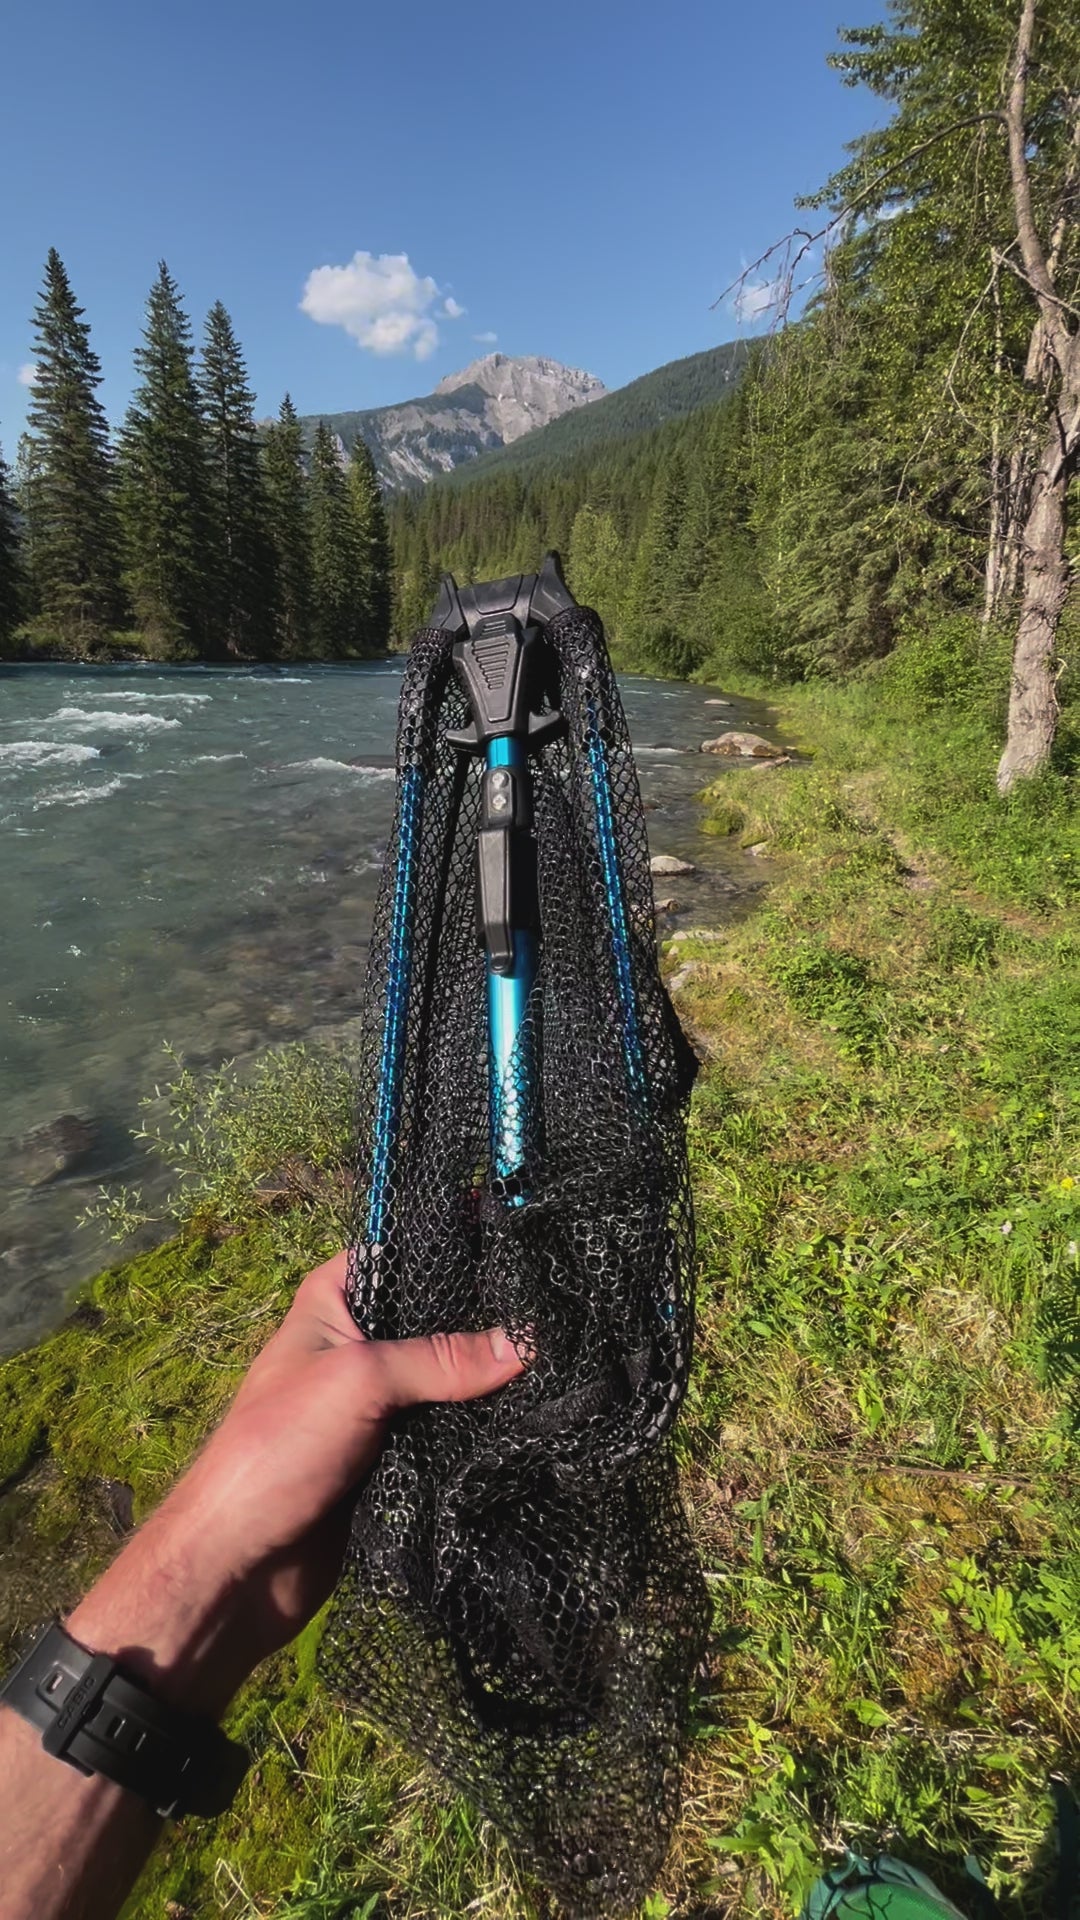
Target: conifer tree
x,y
335,554
241,561
165,493
595,564
69,498
27,468
657,604
374,581
416,583
10,563
289,529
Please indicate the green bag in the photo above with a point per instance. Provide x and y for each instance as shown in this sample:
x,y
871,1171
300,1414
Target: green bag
x,y
881,1889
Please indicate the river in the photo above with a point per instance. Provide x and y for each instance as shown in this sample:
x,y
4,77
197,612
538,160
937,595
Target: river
x,y
191,855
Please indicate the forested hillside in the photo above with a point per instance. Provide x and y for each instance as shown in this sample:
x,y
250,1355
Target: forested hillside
x,y
679,387
902,459
899,459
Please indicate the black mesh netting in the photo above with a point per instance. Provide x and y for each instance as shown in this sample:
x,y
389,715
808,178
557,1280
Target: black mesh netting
x,y
521,1601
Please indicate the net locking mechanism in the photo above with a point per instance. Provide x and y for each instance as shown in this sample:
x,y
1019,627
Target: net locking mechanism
x,y
504,665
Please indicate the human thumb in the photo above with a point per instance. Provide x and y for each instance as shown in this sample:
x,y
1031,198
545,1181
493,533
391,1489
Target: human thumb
x,y
442,1366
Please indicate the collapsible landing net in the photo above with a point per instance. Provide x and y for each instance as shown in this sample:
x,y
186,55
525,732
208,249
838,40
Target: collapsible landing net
x,y
520,1601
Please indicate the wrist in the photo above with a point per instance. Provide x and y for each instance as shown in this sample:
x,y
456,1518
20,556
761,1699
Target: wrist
x,y
170,1610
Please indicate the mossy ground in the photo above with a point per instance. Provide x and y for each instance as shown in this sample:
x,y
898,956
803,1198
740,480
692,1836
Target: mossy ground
x,y
880,1446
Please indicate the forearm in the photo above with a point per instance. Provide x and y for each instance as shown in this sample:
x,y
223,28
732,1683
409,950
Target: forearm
x,y
242,1554
70,1847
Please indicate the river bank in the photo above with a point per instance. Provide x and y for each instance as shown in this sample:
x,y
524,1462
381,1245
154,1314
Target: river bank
x,y
879,1448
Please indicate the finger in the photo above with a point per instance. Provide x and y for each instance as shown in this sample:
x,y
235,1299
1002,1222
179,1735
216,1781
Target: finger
x,y
327,1283
319,1315
444,1366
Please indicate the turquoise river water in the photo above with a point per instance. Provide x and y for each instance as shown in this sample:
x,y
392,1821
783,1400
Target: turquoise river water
x,y
191,855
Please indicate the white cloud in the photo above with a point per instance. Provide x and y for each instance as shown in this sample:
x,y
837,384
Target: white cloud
x,y
381,302
486,339
756,298
27,374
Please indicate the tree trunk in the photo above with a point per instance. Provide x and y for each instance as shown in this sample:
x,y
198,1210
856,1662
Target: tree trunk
x,y
1033,707
995,552
1053,365
1017,508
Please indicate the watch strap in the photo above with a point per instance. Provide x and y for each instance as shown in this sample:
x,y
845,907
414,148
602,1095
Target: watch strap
x,y
98,1719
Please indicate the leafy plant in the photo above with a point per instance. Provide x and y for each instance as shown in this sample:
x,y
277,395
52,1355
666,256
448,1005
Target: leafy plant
x,y
235,1140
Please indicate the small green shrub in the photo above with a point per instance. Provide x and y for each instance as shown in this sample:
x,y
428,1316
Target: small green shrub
x,y
833,987
225,1135
949,664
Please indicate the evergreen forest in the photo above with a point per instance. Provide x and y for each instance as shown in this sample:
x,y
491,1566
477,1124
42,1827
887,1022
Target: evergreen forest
x,y
897,457
898,465
194,534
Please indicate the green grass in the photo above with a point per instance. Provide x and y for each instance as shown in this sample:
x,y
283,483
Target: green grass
x,y
881,1443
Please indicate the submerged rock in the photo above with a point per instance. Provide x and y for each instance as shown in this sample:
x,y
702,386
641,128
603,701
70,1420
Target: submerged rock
x,y
50,1152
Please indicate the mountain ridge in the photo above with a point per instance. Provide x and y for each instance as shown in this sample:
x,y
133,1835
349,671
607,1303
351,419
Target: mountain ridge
x,y
503,413
669,392
492,402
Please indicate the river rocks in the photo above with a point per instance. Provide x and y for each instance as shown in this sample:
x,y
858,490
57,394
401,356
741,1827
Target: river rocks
x,y
295,1179
117,1499
745,746
679,980
759,848
766,766
666,863
50,1152
665,906
719,703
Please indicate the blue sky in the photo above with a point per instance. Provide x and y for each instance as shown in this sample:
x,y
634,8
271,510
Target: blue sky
x,y
580,180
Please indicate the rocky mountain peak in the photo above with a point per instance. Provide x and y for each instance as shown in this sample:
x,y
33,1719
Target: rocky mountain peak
x,y
490,403
524,392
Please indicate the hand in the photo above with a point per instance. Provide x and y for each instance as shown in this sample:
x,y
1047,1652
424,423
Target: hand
x,y
240,1555
248,1545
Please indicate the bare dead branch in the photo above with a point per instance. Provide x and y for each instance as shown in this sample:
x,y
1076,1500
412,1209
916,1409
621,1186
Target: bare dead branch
x,y
1034,257
847,212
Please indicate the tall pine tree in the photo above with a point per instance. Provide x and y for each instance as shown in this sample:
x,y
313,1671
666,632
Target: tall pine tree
x,y
375,579
289,529
595,564
335,552
241,564
10,563
165,492
656,613
69,501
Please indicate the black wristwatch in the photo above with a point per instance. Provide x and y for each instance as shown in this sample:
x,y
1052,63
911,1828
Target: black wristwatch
x,y
94,1716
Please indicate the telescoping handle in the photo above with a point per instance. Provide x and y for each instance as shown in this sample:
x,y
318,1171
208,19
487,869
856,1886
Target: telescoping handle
x,y
503,663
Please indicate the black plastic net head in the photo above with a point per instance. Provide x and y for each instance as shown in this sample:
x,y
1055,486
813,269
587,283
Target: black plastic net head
x,y
521,1602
